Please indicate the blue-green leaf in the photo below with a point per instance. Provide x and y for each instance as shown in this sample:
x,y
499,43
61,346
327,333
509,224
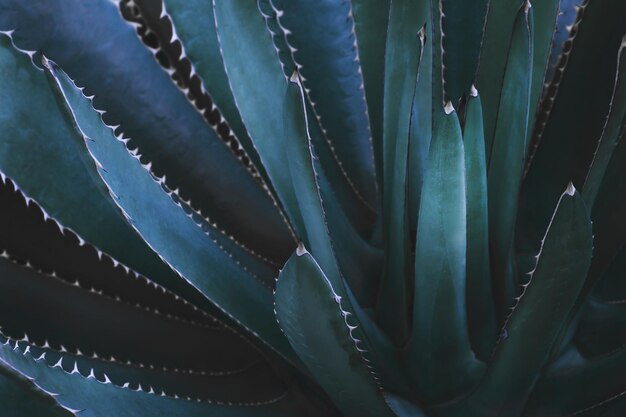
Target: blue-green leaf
x,y
402,59
542,311
506,164
87,36
326,345
324,48
441,363
178,240
481,313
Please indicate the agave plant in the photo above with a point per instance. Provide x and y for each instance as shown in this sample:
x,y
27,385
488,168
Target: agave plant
x,y
312,208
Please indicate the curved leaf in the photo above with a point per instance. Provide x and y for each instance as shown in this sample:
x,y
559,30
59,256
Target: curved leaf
x,y
462,27
94,398
481,313
543,309
323,41
326,345
370,26
506,163
441,362
86,36
573,126
19,398
166,227
402,60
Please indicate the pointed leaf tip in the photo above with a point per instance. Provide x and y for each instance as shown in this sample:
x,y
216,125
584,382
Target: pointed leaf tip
x,y
473,91
571,190
449,108
301,250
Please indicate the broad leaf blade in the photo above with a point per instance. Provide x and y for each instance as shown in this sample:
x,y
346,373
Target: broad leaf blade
x,y
481,313
573,125
462,28
611,131
543,309
323,41
493,56
440,360
93,398
370,25
86,37
506,163
402,59
47,150
326,345
166,227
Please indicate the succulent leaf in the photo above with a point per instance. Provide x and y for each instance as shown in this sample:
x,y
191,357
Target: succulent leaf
x,y
440,360
167,130
178,240
323,45
402,60
481,312
507,155
541,311
326,345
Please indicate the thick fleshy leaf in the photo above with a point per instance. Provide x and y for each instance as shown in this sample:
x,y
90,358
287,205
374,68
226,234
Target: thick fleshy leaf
x,y
166,227
86,36
611,286
545,14
20,398
343,252
462,28
506,164
543,309
280,136
481,313
493,56
402,407
252,382
566,387
611,131
439,356
402,59
324,47
46,150
91,397
609,226
94,323
420,130
600,328
370,26
572,126
326,345
29,235
194,27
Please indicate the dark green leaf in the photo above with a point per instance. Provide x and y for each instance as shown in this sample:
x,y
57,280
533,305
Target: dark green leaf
x,y
575,115
166,227
543,309
85,37
611,131
566,389
47,150
94,398
370,26
481,313
323,41
326,345
506,163
440,360
462,28
404,49
20,398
